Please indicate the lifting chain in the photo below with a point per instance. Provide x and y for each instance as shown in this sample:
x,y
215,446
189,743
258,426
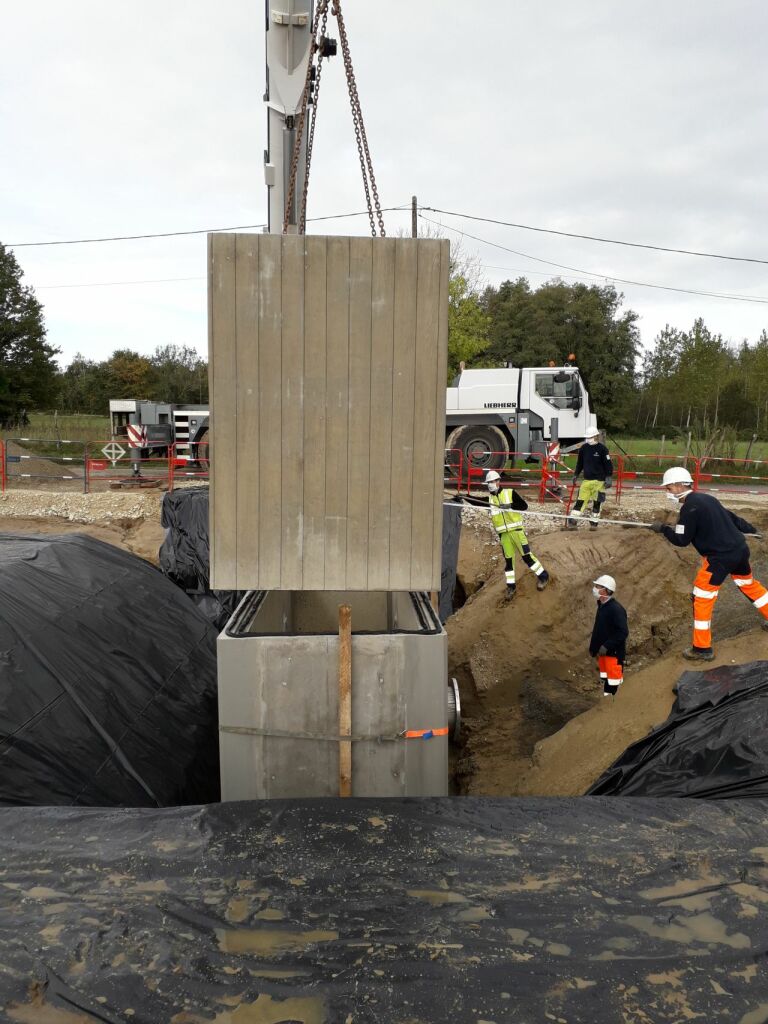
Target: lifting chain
x,y
317,46
311,139
322,9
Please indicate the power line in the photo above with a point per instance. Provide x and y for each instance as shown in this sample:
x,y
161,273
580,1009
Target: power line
x,y
603,277
196,231
114,284
596,238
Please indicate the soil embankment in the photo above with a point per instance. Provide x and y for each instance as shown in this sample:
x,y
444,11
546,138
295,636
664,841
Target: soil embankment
x,y
524,669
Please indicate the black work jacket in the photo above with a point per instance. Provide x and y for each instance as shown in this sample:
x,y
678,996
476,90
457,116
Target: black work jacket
x,y
714,530
611,630
594,462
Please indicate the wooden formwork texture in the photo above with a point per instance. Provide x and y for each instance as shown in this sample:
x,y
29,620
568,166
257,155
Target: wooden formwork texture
x,y
327,383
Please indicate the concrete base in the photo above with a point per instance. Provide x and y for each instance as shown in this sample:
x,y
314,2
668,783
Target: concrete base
x,y
278,695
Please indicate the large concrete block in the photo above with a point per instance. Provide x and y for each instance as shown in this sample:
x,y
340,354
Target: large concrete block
x,y
278,696
327,372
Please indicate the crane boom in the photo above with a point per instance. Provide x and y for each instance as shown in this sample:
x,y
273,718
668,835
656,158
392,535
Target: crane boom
x,y
288,39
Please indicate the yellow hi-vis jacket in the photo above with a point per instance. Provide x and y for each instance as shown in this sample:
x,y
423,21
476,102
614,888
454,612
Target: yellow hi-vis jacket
x,y
502,516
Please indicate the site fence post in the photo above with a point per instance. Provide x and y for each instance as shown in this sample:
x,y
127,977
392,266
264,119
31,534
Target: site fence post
x,y
620,463
2,467
85,467
171,461
696,473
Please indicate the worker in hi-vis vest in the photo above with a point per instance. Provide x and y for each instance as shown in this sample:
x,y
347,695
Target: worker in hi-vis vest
x,y
505,506
594,463
609,635
718,536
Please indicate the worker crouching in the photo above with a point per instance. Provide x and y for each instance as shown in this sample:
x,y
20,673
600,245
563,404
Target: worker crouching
x,y
505,506
609,636
594,463
718,536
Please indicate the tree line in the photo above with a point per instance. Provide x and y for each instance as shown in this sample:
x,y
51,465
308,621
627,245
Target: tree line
x,y
687,380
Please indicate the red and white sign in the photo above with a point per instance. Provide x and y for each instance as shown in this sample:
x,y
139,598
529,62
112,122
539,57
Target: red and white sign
x,y
137,436
553,452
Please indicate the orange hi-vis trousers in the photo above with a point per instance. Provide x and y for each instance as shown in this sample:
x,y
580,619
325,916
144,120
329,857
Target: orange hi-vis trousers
x,y
611,674
706,588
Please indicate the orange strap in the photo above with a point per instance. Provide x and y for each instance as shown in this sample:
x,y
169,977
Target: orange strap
x,y
424,734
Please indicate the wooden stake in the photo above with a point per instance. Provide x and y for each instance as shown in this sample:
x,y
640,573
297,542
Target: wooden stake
x,y
345,699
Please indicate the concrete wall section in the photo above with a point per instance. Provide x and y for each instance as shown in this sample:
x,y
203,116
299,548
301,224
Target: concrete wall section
x,y
279,699
327,372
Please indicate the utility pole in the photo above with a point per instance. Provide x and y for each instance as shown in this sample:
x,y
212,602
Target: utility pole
x,y
414,218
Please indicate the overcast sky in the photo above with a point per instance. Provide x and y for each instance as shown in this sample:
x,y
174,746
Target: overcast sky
x,y
642,120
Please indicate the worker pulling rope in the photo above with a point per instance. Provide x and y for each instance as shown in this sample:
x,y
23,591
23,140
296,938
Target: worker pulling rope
x,y
477,503
321,47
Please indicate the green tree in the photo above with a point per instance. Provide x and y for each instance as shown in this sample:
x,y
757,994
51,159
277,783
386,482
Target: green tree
x,y
468,324
83,387
179,375
533,327
128,374
27,366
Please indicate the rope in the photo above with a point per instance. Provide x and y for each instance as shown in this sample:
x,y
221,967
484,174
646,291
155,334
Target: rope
x,y
554,515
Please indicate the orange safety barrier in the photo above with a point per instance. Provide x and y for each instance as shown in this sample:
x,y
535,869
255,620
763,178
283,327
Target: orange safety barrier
x,y
454,463
709,474
111,464
41,458
642,476
544,474
179,466
712,471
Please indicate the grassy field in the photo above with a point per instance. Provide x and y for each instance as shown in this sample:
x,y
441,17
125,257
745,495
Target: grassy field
x,y
47,427
646,446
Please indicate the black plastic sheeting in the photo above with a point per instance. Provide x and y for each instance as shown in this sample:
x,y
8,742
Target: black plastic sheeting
x,y
714,743
451,537
325,911
107,679
185,553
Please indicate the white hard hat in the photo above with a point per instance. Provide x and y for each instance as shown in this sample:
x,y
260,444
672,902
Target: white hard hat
x,y
606,581
491,475
592,432
676,475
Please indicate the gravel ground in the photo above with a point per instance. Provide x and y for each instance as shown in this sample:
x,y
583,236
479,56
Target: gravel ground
x,y
82,508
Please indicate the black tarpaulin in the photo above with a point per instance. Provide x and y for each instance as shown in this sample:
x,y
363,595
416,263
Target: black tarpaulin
x,y
714,743
384,912
185,553
450,549
107,679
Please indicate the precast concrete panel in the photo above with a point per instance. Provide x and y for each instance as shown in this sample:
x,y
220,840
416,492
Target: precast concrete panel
x,y
278,696
327,368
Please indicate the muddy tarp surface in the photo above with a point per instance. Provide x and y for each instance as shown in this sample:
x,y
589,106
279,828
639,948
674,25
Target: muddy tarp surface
x,y
457,910
107,679
714,743
451,537
185,555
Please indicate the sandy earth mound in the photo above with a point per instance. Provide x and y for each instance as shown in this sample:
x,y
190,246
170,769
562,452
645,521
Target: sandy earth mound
x,y
524,669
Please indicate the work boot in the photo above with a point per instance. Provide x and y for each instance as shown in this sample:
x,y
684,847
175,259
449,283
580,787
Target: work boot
x,y
543,580
699,653
593,524
511,591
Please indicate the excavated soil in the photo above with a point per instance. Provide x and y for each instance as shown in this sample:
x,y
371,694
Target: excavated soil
x,y
523,667
128,520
